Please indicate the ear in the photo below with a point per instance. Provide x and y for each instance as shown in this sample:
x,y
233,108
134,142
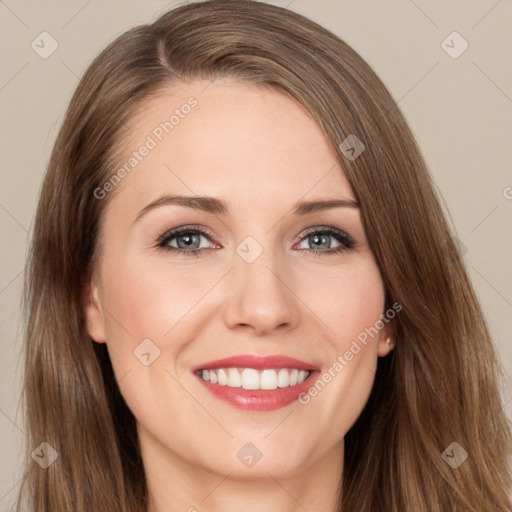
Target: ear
x,y
94,311
387,339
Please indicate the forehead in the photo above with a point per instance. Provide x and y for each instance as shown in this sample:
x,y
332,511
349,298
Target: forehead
x,y
228,138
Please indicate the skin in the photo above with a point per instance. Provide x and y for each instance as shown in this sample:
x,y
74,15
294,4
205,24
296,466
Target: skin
x,y
261,152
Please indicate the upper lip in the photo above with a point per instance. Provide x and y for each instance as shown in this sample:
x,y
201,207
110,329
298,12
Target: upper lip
x,y
257,362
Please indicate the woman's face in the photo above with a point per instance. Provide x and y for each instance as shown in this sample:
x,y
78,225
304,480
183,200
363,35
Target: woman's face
x,y
268,281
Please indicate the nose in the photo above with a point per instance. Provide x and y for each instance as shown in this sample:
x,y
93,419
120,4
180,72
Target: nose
x,y
260,297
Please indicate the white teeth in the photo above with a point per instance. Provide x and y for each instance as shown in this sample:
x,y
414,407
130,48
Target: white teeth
x,y
283,379
234,379
249,378
268,379
222,377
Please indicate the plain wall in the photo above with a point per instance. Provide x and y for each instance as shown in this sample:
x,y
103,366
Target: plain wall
x,y
458,108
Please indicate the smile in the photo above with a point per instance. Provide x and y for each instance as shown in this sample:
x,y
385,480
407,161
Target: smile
x,y
251,378
257,383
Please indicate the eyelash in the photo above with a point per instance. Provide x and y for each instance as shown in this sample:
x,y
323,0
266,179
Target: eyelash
x,y
346,242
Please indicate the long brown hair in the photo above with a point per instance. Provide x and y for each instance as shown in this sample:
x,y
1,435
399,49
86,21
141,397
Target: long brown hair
x,y
439,385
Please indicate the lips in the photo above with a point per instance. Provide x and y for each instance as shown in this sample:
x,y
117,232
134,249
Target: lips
x,y
257,399
256,362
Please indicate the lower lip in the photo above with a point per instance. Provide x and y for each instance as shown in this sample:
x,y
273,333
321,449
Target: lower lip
x,y
259,399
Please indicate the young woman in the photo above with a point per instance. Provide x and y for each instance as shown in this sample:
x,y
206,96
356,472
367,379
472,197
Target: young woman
x,y
243,293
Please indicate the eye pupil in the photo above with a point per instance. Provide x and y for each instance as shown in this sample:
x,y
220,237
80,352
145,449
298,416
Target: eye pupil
x,y
189,238
315,238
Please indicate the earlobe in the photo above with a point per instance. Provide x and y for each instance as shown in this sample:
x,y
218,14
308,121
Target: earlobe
x,y
386,346
387,341
94,312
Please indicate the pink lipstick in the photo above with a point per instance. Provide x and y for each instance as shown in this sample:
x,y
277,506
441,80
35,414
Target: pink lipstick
x,y
257,383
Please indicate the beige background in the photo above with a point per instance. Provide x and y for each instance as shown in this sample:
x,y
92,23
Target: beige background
x,y
458,108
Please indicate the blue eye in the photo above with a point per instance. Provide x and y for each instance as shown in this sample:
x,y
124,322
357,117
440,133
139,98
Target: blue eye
x,y
188,241
322,237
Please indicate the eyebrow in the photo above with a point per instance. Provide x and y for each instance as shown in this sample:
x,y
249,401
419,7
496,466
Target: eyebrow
x,y
220,207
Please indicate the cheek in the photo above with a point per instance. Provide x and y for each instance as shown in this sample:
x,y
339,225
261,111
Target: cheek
x,y
147,308
156,302
353,306
351,302
148,301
